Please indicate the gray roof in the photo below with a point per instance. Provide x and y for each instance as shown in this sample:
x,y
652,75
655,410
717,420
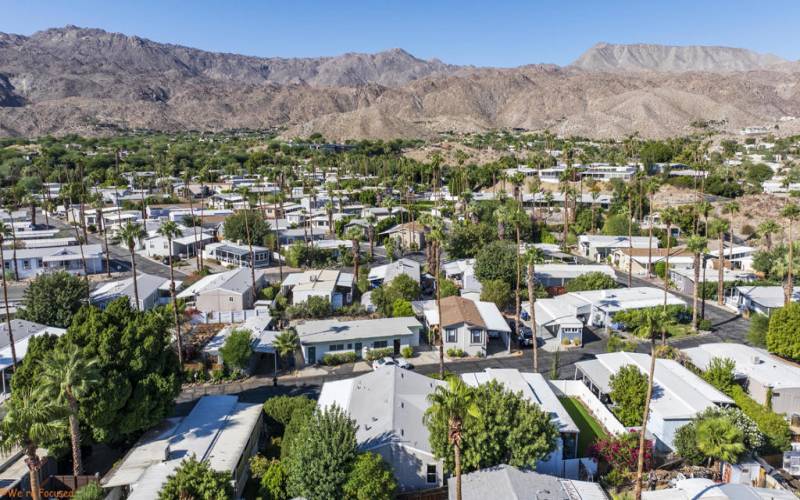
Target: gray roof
x,y
147,284
510,483
237,280
21,329
331,330
768,296
387,405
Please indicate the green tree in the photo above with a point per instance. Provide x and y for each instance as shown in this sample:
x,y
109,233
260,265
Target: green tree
x,y
132,234
28,422
466,239
273,481
591,281
170,231
196,479
139,376
286,343
628,392
718,438
238,349
497,291
720,373
322,456
403,287
370,479
92,491
402,308
617,225
497,261
236,228
279,410
686,444
757,332
783,335
791,212
447,288
53,298
68,377
454,406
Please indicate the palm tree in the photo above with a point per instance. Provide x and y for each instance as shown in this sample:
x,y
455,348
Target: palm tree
x,y
717,227
654,321
731,208
532,257
594,189
4,230
354,235
31,420
455,405
652,189
668,216
791,212
246,196
517,217
718,439
501,214
9,230
767,229
371,234
67,377
132,233
286,343
190,197
697,245
170,231
329,212
101,226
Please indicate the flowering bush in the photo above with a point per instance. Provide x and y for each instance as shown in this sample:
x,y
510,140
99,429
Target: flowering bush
x,y
621,452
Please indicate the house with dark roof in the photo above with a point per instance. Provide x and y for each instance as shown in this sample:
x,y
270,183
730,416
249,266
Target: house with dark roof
x,y
463,326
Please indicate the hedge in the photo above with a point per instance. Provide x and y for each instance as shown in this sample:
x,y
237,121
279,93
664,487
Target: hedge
x,y
454,352
339,358
774,426
374,354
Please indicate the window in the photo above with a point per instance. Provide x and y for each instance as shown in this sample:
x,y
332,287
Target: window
x,y
26,264
336,347
431,474
451,335
230,299
476,336
380,344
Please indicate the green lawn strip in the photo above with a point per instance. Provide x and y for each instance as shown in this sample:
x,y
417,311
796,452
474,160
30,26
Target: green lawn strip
x,y
590,429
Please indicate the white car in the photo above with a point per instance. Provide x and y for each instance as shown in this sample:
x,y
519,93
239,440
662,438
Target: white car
x,y
389,361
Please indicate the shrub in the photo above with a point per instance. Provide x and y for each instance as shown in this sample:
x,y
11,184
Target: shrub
x,y
783,335
591,281
622,452
704,325
720,373
774,426
407,352
238,350
686,444
279,410
314,307
339,358
402,308
757,334
455,352
617,343
628,392
498,292
374,354
660,268
92,491
273,481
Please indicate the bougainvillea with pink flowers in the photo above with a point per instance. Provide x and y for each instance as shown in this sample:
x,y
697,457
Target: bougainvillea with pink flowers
x,y
621,452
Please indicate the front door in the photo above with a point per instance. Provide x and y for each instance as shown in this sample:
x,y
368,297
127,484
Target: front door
x,y
312,355
396,347
358,349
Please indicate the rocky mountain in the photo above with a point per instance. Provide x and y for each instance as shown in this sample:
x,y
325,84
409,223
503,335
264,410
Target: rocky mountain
x,y
669,58
90,81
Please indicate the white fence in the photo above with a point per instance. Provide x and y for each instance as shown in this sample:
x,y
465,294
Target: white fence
x,y
577,389
227,316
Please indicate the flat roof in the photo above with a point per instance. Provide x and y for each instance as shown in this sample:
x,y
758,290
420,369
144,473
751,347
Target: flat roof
x,y
333,330
751,362
571,271
682,394
604,241
770,297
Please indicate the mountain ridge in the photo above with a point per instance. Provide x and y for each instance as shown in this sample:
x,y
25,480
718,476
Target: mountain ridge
x,y
89,81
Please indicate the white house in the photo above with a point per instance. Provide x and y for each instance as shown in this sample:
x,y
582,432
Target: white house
x,y
22,331
331,284
229,291
467,324
766,377
558,275
534,388
737,258
462,272
237,254
747,299
153,291
388,406
320,337
706,489
598,246
34,261
219,429
379,275
183,247
678,395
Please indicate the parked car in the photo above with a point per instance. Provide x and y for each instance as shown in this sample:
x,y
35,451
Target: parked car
x,y
388,361
525,337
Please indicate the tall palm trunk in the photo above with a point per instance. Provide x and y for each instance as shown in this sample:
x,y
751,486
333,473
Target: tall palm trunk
x,y
437,267
13,245
175,307
666,279
457,456
532,313
650,241
33,463
198,258
696,266
8,313
637,492
630,242
788,288
356,263
721,270
250,248
75,436
135,281
83,260
516,291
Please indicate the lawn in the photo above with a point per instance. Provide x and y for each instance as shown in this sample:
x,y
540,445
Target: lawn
x,y
590,429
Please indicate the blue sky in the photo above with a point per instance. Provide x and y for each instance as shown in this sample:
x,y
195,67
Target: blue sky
x,y
484,33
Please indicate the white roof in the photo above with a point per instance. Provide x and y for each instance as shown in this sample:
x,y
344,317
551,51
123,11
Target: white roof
x,y
681,394
57,253
23,331
321,280
770,297
706,489
332,330
562,310
736,250
533,387
751,362
217,429
387,404
147,284
569,271
388,272
604,241
236,280
620,299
